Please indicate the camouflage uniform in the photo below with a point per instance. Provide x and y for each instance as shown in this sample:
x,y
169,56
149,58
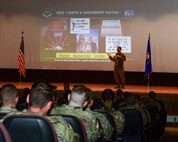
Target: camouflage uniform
x,y
119,120
8,109
119,68
64,131
89,120
107,128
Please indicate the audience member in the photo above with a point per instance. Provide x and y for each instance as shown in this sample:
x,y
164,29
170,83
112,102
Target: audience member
x,y
78,101
107,128
133,102
144,105
64,99
8,98
119,100
158,107
40,101
43,83
153,101
22,103
97,104
108,97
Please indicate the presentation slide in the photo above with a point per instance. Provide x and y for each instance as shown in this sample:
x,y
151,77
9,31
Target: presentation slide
x,y
85,38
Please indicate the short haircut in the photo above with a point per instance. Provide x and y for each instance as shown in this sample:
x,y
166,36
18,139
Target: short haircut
x,y
8,94
40,95
79,94
131,100
108,97
108,94
119,92
152,94
43,83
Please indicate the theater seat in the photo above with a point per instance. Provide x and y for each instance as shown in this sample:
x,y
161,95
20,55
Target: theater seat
x,y
77,125
133,130
4,135
30,128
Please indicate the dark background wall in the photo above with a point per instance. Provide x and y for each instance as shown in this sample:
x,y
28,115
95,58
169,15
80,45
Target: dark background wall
x,y
98,77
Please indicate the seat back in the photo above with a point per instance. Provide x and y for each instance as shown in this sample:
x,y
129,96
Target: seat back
x,y
153,110
30,128
77,125
4,135
133,130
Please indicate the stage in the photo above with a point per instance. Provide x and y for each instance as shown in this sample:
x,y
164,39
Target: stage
x,y
100,87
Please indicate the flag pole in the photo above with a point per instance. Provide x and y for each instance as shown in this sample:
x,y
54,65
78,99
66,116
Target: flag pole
x,y
148,83
19,86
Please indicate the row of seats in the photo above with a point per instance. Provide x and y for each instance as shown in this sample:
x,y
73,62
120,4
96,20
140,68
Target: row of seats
x,y
135,130
35,128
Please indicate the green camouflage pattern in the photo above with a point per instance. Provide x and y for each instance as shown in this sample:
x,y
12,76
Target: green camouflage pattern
x,y
90,121
8,109
107,128
119,120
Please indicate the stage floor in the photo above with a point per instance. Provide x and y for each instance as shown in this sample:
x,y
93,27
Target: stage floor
x,y
101,87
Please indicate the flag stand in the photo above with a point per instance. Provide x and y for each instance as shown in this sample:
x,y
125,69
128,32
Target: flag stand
x,y
148,83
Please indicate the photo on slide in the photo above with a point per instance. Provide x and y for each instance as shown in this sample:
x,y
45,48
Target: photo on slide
x,y
87,42
55,35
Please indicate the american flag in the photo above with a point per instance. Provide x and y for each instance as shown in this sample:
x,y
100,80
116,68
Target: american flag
x,y
21,59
